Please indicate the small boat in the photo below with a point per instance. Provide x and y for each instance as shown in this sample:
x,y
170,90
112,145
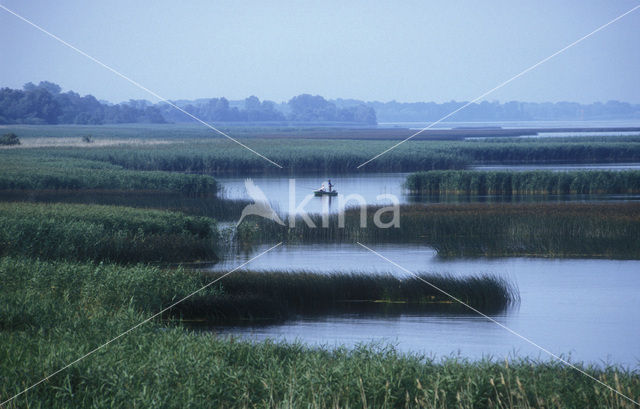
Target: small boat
x,y
325,193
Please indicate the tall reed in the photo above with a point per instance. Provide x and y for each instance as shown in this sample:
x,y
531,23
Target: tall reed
x,y
114,233
53,313
523,183
605,230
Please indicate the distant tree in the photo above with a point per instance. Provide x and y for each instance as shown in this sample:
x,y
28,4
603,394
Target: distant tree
x,y
9,139
306,107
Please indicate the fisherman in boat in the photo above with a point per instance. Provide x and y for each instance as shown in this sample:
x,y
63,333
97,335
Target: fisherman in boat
x,y
330,186
322,189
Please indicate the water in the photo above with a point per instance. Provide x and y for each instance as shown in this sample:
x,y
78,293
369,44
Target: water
x,y
276,188
370,185
519,124
585,310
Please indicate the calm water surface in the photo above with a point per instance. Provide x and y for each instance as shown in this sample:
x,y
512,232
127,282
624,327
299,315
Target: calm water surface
x,y
371,185
583,309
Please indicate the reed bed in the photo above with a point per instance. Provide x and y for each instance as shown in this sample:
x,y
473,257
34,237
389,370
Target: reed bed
x,y
275,295
54,312
27,170
113,233
340,154
509,183
242,297
572,230
295,156
215,207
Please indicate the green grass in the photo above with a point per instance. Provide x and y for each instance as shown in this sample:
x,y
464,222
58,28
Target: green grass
x,y
573,230
40,170
54,312
114,233
508,183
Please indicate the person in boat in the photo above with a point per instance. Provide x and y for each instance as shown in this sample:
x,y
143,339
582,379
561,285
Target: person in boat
x,y
330,186
322,188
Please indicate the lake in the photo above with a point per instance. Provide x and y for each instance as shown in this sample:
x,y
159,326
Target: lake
x,y
370,185
584,309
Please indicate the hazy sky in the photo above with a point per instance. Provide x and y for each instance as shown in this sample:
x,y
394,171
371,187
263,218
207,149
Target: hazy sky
x,y
435,50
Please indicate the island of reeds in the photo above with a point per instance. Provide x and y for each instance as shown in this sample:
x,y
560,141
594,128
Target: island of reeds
x,y
507,183
570,230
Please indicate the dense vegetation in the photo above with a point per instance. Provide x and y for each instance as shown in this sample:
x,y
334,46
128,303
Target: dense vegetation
x,y
217,208
276,295
187,149
46,104
114,233
40,170
54,312
193,149
496,230
548,150
523,183
9,139
295,156
301,108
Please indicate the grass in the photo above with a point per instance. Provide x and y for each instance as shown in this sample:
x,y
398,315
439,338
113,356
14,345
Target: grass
x,y
523,183
29,170
114,233
574,230
54,312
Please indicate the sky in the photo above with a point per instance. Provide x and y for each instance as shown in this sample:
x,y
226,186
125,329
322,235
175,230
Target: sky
x,y
408,51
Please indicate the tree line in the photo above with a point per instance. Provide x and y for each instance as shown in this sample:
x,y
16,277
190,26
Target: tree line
x,y
301,108
45,103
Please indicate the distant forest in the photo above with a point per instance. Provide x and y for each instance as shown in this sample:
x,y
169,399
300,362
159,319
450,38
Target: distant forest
x,y
45,103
